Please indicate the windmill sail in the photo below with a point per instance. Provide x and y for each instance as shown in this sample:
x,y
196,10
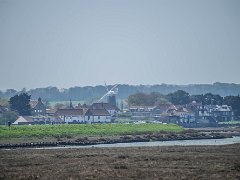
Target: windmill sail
x,y
111,94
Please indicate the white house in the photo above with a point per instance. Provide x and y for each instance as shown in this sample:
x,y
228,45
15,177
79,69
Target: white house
x,y
223,113
35,120
97,116
70,115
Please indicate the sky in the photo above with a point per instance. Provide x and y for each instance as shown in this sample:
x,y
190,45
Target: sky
x,y
67,43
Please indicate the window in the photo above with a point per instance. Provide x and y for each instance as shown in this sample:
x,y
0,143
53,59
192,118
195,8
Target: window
x,y
98,117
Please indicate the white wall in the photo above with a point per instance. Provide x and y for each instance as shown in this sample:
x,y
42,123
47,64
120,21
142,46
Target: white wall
x,y
98,119
84,119
71,119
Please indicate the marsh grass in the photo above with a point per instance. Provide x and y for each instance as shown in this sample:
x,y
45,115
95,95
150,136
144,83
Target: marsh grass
x,y
70,130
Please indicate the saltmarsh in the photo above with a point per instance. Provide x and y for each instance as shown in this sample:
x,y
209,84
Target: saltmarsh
x,y
65,130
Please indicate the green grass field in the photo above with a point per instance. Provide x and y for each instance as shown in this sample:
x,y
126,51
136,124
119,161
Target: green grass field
x,y
66,130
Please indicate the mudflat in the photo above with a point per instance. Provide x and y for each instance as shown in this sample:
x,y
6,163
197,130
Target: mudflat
x,y
176,162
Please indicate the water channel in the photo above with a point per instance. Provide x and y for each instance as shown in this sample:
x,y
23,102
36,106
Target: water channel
x,y
234,140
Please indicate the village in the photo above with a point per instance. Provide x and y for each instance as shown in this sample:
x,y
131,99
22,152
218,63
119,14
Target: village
x,y
107,109
188,115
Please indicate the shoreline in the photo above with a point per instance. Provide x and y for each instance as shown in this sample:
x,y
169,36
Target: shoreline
x,y
147,137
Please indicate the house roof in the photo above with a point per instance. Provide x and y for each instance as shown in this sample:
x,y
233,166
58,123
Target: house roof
x,y
33,103
50,111
142,107
165,107
97,112
69,112
24,119
181,109
32,119
39,104
223,108
106,106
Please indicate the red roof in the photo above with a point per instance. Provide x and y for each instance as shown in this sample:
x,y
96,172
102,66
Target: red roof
x,y
106,106
97,112
33,103
69,112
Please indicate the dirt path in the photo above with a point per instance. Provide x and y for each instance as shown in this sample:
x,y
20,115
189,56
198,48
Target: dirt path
x,y
190,162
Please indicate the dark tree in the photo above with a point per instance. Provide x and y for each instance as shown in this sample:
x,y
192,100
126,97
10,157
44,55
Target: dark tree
x,y
197,98
21,104
212,99
156,98
142,99
179,97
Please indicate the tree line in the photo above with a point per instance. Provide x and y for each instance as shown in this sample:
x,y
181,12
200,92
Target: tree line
x,y
89,93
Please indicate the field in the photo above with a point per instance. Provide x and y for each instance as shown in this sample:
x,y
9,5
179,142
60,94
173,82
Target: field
x,y
67,130
176,162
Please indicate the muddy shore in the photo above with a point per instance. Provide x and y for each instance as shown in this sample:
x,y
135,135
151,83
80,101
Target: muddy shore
x,y
176,162
189,134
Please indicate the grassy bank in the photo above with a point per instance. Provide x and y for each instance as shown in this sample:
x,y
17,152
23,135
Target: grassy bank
x,y
230,122
67,130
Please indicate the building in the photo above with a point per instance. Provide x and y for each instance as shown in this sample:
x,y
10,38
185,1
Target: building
x,y
210,115
142,112
23,120
97,116
30,120
50,112
70,116
112,109
38,108
156,112
175,114
223,113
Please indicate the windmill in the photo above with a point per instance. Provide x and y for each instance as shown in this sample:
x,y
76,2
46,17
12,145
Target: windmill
x,y
111,95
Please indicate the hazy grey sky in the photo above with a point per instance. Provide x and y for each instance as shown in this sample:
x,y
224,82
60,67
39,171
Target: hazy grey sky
x,y
68,43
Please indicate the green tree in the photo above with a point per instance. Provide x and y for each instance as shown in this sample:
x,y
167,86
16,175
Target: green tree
x,y
179,97
21,104
8,116
138,99
142,99
156,98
